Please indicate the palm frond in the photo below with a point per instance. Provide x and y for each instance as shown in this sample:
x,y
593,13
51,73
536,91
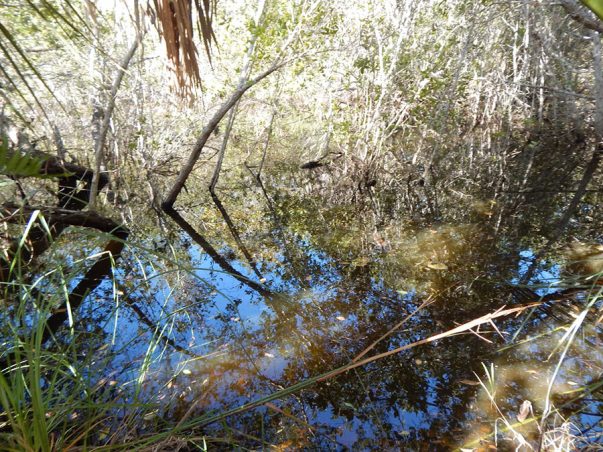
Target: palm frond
x,y
206,11
16,164
176,28
64,15
70,17
8,37
16,89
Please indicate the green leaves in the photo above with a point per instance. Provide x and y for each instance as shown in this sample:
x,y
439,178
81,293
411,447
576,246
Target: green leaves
x,y
15,164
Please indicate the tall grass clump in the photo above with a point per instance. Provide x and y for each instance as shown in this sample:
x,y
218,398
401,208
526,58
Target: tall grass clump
x,y
96,381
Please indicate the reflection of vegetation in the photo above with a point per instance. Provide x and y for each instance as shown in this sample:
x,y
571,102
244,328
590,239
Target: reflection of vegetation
x,y
383,185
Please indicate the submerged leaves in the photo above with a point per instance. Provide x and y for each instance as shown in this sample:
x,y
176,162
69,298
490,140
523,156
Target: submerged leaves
x,y
524,410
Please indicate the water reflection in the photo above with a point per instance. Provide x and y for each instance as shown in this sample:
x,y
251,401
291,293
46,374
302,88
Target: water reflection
x,y
338,283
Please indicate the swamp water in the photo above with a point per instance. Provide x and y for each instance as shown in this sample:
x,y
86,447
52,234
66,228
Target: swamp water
x,y
344,281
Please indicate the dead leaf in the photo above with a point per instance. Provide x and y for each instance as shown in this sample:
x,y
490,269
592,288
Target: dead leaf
x,y
524,410
470,382
282,446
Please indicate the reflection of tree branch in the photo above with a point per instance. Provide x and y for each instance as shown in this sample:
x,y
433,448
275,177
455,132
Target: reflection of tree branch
x,y
235,234
96,274
466,327
591,166
210,250
265,150
168,204
91,280
279,226
396,327
152,326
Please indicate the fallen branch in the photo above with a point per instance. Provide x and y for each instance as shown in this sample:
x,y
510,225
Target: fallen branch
x,y
70,197
168,203
459,329
15,214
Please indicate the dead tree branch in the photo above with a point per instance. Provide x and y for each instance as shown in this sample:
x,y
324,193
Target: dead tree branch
x,y
70,197
211,251
168,203
100,142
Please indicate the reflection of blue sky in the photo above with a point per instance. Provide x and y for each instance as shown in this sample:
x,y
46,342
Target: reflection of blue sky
x,y
228,306
548,277
234,306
